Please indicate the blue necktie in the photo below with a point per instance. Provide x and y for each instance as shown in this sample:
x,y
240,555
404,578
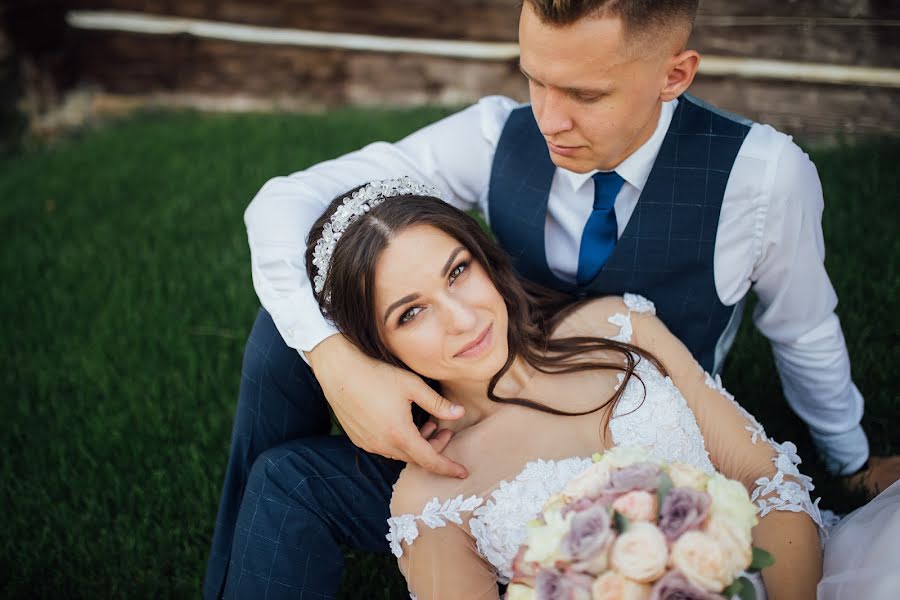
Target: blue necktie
x,y
601,230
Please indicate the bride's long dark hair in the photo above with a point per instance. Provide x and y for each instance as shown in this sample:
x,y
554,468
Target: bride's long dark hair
x,y
348,297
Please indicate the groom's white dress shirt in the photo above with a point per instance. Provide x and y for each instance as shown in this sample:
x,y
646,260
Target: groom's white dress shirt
x,y
769,239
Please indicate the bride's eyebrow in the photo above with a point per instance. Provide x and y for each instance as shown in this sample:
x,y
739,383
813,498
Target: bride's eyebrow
x,y
412,297
397,304
449,262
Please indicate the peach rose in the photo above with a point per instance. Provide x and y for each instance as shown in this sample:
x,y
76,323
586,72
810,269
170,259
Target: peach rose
x,y
637,506
735,543
702,560
689,476
613,586
640,553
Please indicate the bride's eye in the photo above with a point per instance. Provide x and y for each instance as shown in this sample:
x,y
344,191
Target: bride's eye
x,y
458,270
409,315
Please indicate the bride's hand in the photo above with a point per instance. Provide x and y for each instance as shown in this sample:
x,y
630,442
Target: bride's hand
x,y
371,401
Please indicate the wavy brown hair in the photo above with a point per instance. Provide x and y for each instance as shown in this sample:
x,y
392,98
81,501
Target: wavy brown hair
x,y
348,295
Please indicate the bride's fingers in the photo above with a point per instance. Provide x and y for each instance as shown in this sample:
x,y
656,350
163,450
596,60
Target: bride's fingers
x,y
428,429
440,440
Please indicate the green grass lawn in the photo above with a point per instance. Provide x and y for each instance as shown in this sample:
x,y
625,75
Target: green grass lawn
x,y
127,299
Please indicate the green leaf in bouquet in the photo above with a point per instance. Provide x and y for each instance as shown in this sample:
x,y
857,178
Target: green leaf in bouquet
x,y
742,588
761,560
665,485
596,457
621,521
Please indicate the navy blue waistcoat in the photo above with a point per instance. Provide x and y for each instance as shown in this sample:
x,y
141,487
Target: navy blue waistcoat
x,y
666,251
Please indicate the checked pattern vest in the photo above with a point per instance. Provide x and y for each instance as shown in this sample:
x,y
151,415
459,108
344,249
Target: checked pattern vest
x,y
666,251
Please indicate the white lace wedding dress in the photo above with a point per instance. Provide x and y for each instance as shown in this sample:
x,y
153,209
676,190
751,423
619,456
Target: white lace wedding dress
x,y
457,538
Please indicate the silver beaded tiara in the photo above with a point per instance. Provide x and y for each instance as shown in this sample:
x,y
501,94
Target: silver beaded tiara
x,y
359,203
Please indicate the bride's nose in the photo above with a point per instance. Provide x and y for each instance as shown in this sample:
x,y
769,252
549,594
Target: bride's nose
x,y
459,316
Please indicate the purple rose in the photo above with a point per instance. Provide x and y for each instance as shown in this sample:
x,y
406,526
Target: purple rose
x,y
675,586
588,540
552,584
682,510
640,476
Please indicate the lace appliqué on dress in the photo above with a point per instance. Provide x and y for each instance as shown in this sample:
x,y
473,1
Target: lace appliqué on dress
x,y
792,495
500,526
435,514
635,303
639,304
658,419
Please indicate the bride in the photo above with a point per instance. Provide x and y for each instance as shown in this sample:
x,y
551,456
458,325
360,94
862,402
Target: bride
x,y
545,383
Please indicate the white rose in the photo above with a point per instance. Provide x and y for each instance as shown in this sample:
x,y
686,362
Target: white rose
x,y
640,553
544,538
614,586
702,560
517,591
689,476
623,456
589,482
731,501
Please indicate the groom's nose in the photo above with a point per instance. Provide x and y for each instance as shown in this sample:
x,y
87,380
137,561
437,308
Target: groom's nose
x,y
551,112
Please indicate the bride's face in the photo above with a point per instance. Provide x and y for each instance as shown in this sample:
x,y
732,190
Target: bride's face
x,y
437,309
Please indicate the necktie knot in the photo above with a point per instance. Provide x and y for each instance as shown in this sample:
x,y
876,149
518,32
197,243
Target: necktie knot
x,y
606,187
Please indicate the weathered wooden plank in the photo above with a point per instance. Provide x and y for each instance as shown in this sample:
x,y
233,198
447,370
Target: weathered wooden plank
x,y
304,78
813,32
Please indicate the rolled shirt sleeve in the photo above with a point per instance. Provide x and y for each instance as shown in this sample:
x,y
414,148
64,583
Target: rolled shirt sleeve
x,y
796,312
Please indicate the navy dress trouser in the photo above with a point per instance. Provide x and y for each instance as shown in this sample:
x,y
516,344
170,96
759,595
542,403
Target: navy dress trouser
x,y
292,493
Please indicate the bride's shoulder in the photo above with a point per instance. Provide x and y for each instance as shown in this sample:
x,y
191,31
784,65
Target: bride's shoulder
x,y
604,316
416,488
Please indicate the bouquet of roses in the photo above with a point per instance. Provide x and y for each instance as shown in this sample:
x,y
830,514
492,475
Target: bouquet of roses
x,y
633,527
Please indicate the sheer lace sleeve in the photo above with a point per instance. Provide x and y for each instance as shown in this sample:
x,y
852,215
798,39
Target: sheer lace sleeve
x,y
431,540
739,449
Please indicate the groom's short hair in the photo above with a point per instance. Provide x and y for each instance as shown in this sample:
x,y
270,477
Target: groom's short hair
x,y
638,16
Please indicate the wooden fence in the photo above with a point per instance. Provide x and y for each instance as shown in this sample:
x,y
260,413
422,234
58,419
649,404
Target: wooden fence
x,y
810,67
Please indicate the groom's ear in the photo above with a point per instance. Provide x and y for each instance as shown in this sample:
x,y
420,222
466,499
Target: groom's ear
x,y
680,73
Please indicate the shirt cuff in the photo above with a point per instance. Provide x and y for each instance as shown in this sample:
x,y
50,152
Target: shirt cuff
x,y
843,453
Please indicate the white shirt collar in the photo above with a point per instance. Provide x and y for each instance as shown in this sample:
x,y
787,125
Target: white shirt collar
x,y
635,169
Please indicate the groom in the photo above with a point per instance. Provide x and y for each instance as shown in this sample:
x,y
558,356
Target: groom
x,y
611,181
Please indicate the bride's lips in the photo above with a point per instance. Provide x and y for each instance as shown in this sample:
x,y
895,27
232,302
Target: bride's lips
x,y
562,150
479,345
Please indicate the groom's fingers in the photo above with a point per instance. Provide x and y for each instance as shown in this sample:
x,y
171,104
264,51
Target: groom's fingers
x,y
435,404
428,429
440,440
421,452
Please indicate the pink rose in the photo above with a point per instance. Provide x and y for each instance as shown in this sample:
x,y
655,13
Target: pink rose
x,y
637,506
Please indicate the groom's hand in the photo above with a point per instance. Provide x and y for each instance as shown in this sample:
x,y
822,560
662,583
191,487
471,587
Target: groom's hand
x,y
371,400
